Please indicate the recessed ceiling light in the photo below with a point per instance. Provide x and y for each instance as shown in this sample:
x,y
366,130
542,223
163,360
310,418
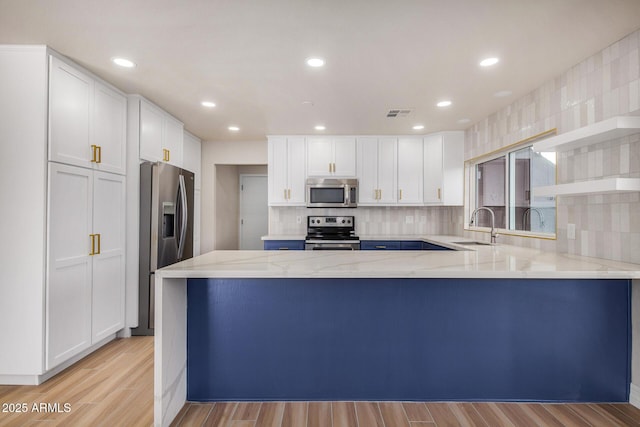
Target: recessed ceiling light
x,y
315,62
123,62
502,94
234,128
463,121
308,103
320,127
418,127
443,103
488,62
208,104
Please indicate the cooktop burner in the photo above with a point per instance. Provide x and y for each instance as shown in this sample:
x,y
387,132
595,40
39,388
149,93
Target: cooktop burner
x,y
331,228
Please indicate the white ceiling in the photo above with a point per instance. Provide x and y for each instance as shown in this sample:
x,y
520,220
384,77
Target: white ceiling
x,y
248,56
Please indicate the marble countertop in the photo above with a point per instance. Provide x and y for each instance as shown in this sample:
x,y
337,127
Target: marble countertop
x,y
473,261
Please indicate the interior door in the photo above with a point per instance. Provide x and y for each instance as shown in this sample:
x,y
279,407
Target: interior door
x,y
254,212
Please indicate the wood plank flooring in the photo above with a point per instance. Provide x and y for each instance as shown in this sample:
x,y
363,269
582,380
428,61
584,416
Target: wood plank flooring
x,y
114,387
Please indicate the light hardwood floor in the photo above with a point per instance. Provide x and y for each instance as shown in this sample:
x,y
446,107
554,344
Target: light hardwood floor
x,y
114,387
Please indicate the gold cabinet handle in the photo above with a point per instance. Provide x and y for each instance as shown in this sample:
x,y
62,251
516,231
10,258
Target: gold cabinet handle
x,y
380,194
289,194
329,167
381,247
285,194
166,155
334,168
439,194
400,191
94,158
99,150
93,244
98,253
375,194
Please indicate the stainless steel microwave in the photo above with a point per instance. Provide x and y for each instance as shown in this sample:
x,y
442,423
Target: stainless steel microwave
x,y
332,193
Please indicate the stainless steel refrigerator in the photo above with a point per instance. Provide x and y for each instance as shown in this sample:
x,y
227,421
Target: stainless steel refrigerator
x,y
166,229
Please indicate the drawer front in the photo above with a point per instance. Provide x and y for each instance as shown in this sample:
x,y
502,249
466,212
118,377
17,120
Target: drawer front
x,y
411,246
380,245
431,247
284,245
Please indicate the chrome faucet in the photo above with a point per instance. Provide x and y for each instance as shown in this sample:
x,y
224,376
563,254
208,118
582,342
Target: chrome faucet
x,y
494,233
528,211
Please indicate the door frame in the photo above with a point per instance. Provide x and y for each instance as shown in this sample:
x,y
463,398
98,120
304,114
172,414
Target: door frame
x,y
241,207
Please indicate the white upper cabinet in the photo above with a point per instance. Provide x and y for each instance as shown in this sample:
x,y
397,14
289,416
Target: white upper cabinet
x,y
410,169
173,141
331,156
377,170
151,130
286,171
70,98
444,168
161,136
191,157
110,129
87,120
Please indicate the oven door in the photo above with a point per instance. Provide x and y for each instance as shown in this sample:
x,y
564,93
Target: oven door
x,y
332,245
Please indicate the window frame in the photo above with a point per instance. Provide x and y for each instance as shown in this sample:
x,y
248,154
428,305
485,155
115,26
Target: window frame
x,y
470,190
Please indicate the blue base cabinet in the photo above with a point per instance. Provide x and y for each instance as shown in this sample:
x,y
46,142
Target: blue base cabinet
x,y
409,339
284,245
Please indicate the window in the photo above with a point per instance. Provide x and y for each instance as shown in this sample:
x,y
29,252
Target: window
x,y
502,182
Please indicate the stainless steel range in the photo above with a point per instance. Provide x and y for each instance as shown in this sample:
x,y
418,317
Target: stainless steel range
x,y
331,233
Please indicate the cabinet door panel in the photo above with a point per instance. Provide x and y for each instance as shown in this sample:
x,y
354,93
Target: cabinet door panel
x,y
387,169
191,154
68,306
151,128
344,156
277,171
410,185
110,128
69,114
319,156
109,264
433,169
296,175
367,170
173,134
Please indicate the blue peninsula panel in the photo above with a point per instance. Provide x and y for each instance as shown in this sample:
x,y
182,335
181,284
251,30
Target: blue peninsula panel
x,y
408,339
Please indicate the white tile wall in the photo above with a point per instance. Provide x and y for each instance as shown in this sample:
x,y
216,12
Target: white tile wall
x,y
602,86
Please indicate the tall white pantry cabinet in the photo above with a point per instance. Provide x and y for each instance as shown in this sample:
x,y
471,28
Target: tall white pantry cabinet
x,y
62,180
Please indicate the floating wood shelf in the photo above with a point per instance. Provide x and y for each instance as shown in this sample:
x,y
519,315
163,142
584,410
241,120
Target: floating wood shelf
x,y
605,130
600,186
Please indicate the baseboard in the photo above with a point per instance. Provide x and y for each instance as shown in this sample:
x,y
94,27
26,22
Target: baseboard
x,y
39,379
634,395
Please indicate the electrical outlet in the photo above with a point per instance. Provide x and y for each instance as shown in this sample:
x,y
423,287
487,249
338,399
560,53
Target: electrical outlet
x,y
299,219
571,231
408,219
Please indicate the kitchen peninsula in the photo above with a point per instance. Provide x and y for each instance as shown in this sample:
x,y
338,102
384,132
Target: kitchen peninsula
x,y
493,323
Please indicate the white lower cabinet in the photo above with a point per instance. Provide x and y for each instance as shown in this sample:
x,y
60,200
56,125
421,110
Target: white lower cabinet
x,y
86,264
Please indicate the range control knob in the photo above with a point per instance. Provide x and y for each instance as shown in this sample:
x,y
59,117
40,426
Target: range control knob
x,y
343,221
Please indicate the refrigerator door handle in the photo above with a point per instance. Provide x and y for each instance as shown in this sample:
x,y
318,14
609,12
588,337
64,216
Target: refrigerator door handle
x,y
182,193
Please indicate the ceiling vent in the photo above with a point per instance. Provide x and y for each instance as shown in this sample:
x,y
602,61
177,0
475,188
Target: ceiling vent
x,y
398,113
